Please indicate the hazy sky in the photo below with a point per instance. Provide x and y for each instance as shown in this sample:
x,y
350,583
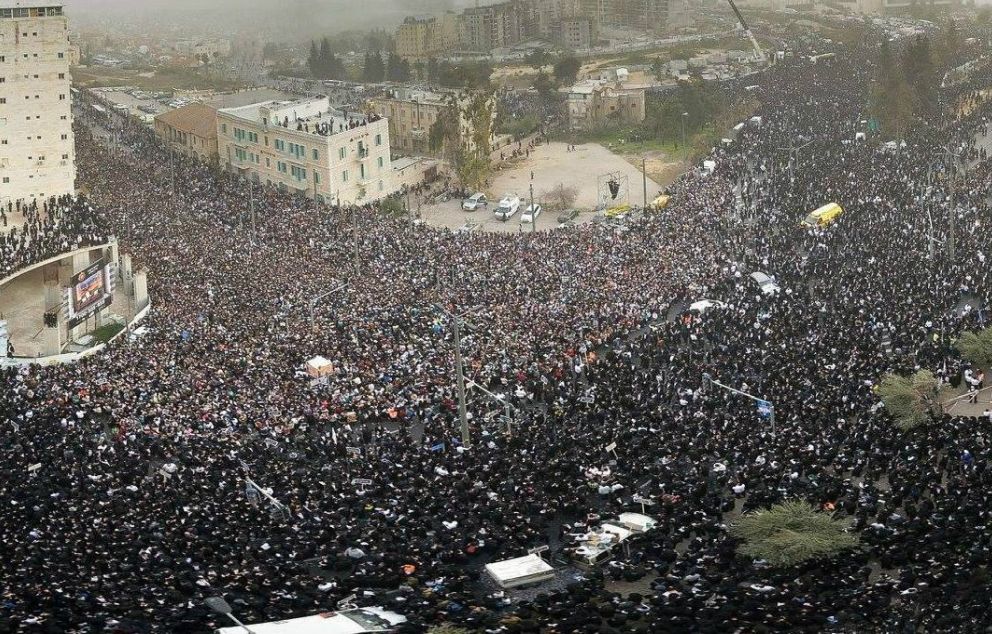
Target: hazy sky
x,y
286,19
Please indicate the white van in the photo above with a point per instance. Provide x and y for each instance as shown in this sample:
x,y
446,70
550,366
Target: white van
x,y
509,205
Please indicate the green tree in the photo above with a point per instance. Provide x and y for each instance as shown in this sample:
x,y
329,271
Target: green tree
x,y
790,533
976,347
567,69
921,72
374,69
912,401
891,99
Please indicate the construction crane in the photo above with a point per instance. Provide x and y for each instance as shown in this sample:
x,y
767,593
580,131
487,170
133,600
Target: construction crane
x,y
759,55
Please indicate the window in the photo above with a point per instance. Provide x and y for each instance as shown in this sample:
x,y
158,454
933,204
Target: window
x,y
298,173
341,153
316,155
61,97
344,176
65,137
316,177
3,58
2,79
3,100
223,128
378,139
65,157
6,179
61,55
380,162
361,171
280,145
61,75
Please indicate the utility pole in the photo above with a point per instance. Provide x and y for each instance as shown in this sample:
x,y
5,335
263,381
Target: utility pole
x,y
793,149
251,196
533,210
951,242
644,178
685,150
172,169
462,409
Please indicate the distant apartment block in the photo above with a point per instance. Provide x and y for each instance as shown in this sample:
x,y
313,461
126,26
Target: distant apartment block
x,y
37,158
308,147
420,38
574,33
494,26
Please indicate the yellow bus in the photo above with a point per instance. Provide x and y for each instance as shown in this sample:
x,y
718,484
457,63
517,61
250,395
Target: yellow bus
x,y
823,216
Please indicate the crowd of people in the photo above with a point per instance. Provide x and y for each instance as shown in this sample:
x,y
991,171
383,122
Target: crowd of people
x,y
32,233
123,484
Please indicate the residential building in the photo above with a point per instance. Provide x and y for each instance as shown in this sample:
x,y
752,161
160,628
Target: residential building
x,y
574,33
308,147
647,15
37,159
411,113
420,38
546,15
192,130
494,26
596,102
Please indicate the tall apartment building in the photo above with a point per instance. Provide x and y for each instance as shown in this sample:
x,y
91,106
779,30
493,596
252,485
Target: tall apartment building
x,y
37,159
495,26
420,38
308,147
648,15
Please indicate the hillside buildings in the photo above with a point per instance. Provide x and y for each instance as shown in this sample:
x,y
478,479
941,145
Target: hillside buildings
x,y
308,147
421,38
37,158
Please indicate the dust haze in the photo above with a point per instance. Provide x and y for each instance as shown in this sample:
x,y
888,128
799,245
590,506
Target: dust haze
x,y
283,20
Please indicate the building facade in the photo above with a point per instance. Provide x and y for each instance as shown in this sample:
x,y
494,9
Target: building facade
x,y
411,113
494,26
308,147
37,158
420,38
595,103
191,130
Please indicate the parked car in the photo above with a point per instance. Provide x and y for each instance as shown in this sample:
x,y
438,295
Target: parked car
x,y
765,283
704,305
568,216
509,205
473,202
531,213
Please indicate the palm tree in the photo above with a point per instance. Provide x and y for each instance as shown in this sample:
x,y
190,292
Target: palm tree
x,y
790,533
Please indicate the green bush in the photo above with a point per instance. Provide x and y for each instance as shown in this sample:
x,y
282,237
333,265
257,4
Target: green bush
x,y
976,347
790,533
912,400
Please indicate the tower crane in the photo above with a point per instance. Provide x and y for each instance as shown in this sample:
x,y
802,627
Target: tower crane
x,y
759,55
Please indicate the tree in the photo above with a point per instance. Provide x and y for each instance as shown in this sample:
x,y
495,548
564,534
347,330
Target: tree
x,y
891,97
567,69
921,73
374,69
911,401
560,197
397,68
790,533
538,59
976,347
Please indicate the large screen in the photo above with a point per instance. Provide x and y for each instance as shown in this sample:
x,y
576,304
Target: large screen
x,y
90,291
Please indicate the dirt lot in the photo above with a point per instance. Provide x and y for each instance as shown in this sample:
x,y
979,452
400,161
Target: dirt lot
x,y
551,165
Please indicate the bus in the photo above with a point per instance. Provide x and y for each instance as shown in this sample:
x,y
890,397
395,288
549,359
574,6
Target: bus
x,y
823,216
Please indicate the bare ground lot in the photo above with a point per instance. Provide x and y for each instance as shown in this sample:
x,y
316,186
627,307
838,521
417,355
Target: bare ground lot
x,y
551,165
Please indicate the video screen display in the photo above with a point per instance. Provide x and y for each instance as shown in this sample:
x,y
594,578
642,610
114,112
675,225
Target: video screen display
x,y
89,288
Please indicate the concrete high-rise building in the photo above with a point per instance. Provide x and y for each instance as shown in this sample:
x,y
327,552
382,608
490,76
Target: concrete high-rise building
x,y
37,159
420,38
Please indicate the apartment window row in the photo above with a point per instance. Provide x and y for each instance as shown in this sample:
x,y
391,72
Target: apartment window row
x,y
31,12
298,173
242,135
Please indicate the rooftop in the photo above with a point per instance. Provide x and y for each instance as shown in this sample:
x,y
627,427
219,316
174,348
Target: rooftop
x,y
197,119
326,121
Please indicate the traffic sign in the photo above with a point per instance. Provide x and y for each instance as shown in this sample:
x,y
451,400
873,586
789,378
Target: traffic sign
x,y
764,408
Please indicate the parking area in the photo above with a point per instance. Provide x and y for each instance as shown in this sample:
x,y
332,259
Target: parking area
x,y
551,165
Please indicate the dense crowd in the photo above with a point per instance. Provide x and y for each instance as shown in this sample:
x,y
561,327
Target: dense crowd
x,y
122,479
31,233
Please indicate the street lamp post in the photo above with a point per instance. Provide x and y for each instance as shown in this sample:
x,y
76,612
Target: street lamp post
x,y
220,606
685,149
460,377
502,400
315,300
709,380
